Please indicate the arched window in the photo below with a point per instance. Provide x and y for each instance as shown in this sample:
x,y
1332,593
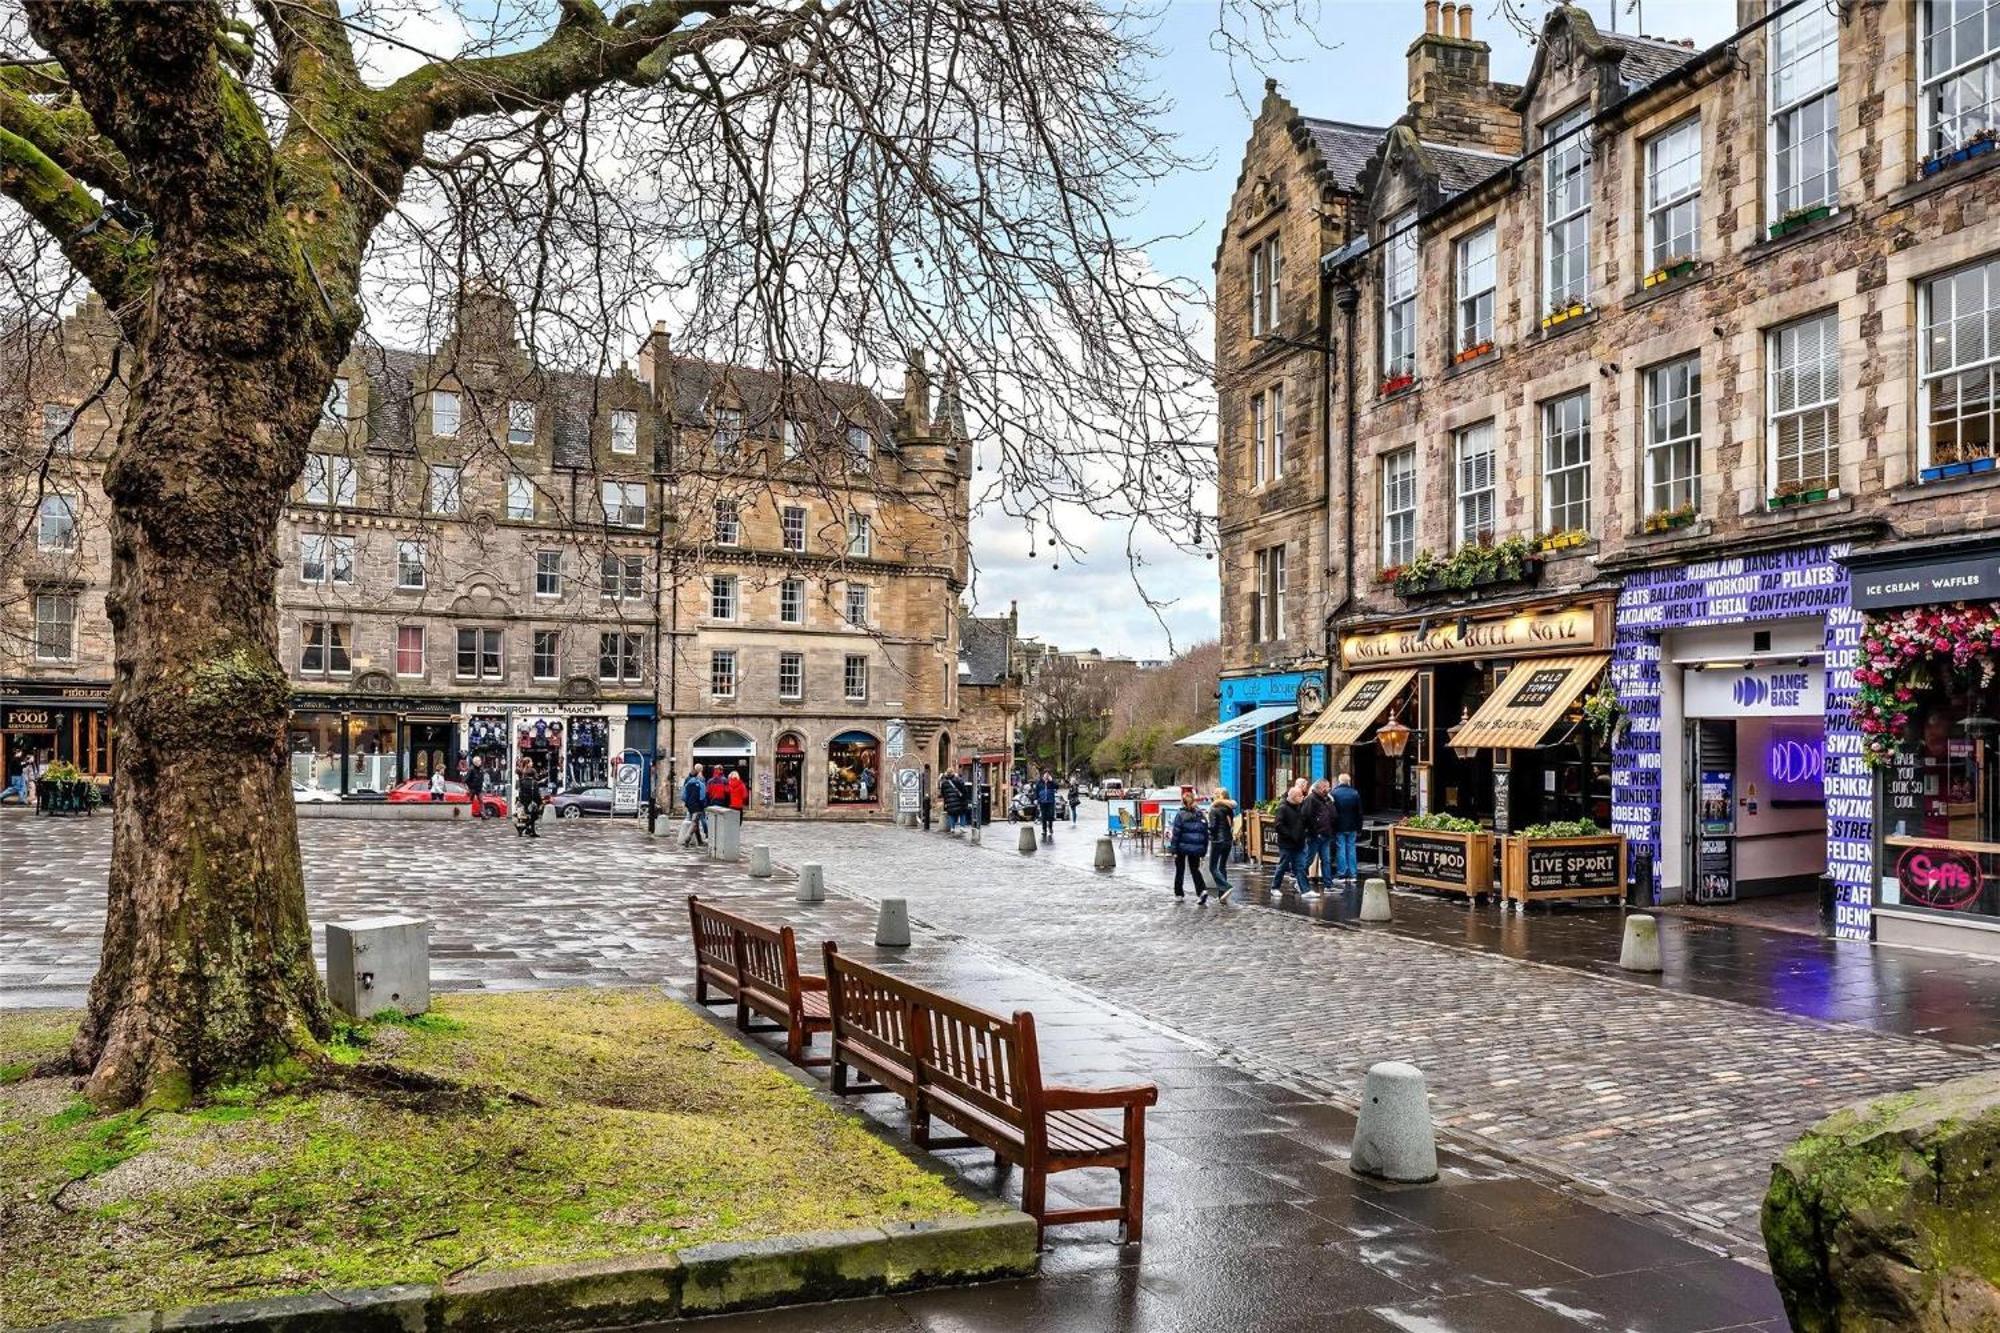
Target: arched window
x,y
853,769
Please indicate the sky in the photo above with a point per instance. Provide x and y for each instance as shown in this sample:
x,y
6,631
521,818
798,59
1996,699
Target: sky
x,y
1349,65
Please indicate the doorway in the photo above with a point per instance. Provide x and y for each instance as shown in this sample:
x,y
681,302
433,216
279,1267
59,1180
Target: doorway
x,y
790,773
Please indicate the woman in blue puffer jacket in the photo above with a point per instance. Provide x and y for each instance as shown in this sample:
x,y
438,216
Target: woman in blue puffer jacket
x,y
1189,841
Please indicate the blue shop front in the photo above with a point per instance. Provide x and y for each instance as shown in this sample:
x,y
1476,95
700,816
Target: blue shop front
x,y
1256,733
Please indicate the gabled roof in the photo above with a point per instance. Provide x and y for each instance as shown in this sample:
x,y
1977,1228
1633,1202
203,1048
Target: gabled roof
x,y
1459,169
1344,148
1647,58
984,646
1636,60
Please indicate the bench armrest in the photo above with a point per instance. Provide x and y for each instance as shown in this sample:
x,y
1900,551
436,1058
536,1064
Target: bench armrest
x,y
807,981
1057,1097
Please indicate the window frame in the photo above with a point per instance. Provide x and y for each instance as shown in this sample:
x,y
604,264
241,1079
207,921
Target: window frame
x,y
1267,268
453,490
440,398
722,677
791,601
404,547
520,485
549,572
1467,333
1401,264
1556,131
624,431
860,536
545,644
334,636
1480,531
1396,513
1653,445
728,523
45,623
336,480
59,428
1777,111
624,508
621,577
1267,597
488,645
69,543
794,662
423,652
335,557
624,651
792,528
1661,206
1931,81
1929,377
724,591
1828,321
855,594
854,678
1259,426
1552,470
335,409
521,423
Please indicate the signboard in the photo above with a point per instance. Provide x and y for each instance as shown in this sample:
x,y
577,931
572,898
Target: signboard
x,y
898,738
625,788
1582,868
1975,579
38,689
1715,870
1423,857
909,791
1943,877
1716,808
28,719
1310,698
1503,800
1537,632
1776,690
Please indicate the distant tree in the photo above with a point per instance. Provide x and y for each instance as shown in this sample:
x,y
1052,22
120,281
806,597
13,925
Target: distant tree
x,y
1156,708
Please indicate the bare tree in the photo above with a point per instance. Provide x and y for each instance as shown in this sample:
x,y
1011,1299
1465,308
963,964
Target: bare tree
x,y
1064,695
822,186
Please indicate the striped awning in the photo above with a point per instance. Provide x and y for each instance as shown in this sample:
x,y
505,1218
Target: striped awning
x,y
1535,694
1241,725
1366,696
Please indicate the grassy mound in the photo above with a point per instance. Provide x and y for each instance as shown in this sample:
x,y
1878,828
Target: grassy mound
x,y
497,1131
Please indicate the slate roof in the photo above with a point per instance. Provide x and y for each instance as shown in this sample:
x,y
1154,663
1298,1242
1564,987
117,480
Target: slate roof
x,y
1646,58
1345,148
984,645
1459,169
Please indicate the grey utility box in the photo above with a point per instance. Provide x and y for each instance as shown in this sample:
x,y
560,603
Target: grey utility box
x,y
378,963
725,834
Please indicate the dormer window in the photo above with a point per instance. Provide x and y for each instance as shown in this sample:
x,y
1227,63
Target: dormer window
x,y
728,429
624,432
860,446
1266,276
520,423
794,439
1399,299
1566,212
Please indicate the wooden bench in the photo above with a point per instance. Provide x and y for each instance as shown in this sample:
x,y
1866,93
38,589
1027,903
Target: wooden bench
x,y
757,966
981,1074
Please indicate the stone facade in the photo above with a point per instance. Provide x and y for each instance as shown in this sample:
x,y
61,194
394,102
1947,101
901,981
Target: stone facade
x,y
485,558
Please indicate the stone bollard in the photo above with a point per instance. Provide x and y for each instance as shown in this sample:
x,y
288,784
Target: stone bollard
x,y
1106,857
812,883
1375,900
1641,949
892,924
1027,839
760,860
1393,1139
978,835
725,835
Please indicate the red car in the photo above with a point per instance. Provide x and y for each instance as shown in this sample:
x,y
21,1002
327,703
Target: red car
x,y
417,791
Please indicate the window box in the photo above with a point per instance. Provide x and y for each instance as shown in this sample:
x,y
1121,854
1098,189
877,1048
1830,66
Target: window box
x,y
1389,574
1798,495
1668,520
1396,384
1562,541
1556,318
1669,272
1513,561
1472,353
1798,218
1980,145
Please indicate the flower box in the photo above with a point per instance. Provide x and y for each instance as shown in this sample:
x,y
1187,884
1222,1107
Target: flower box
x,y
1799,217
1547,869
1671,519
1472,353
1563,541
1556,317
1679,268
1389,574
1951,157
1439,859
1396,384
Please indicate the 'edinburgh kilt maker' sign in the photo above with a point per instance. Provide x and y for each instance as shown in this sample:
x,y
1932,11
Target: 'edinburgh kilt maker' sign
x,y
1435,859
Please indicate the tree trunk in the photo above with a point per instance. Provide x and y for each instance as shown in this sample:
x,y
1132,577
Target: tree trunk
x,y
207,968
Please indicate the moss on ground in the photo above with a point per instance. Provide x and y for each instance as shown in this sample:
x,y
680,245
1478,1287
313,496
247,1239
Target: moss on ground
x,y
597,1123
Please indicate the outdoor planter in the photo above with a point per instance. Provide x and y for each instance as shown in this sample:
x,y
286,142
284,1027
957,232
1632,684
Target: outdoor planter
x,y
63,797
1438,859
1547,869
1397,383
1667,522
1952,157
1555,317
1472,353
1970,467
1680,268
1803,217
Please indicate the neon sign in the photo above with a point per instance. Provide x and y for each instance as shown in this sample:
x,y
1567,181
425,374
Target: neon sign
x,y
1796,763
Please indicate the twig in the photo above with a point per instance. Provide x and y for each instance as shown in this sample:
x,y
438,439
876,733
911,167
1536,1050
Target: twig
x,y
467,1266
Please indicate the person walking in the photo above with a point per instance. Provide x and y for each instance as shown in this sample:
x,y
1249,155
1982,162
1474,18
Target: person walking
x,y
718,788
694,798
1189,840
437,783
1221,840
952,796
1075,800
1045,794
475,783
1347,814
527,801
1293,830
738,792
1319,845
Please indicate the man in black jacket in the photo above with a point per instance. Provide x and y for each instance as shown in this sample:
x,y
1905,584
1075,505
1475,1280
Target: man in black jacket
x,y
1293,829
1319,841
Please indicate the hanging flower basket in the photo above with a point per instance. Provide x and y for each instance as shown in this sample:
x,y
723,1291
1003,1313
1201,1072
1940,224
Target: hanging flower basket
x,y
1907,651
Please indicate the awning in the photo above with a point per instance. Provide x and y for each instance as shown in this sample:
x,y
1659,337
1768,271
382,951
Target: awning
x,y
1365,697
1240,725
1529,701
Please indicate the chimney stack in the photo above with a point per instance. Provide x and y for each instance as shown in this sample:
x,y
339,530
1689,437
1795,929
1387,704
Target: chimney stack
x,y
1430,17
1465,23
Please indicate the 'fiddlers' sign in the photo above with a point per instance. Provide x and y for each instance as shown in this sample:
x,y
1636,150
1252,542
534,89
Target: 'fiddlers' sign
x,y
1538,632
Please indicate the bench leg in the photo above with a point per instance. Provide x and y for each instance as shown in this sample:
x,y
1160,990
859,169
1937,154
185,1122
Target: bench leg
x,y
742,1015
795,1043
1034,1199
1132,1179
700,987
839,1077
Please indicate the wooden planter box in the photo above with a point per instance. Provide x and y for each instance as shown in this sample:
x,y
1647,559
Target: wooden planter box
x,y
1433,859
1257,826
1545,869
64,798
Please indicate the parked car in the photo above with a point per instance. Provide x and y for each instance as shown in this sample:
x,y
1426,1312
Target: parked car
x,y
417,791
1110,789
580,801
304,795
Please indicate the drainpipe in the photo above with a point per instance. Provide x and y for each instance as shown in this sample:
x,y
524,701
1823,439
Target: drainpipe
x,y
1348,296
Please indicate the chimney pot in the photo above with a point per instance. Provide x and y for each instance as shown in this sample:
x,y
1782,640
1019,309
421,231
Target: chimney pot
x,y
1430,17
1465,22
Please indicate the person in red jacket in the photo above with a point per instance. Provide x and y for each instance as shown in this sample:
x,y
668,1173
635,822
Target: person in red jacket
x,y
718,789
739,793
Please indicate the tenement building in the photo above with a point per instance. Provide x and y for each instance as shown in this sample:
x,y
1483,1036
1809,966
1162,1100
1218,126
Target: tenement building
x,y
487,560
1667,461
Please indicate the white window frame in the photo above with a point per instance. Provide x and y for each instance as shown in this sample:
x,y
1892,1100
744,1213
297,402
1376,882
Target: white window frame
x,y
860,447
329,480
521,498
1566,209
1267,598
1789,105
1276,394
792,601
1259,426
1673,194
59,428
1399,297
444,489
854,678
1942,134
551,640
1475,485
520,423
1671,470
729,431
65,539
335,636
1569,514
333,554
549,572
447,416
1476,267
621,578
724,599
621,510
423,652
1399,507
722,673
489,653
855,600
624,651
1796,393
728,524
1267,268
405,549
47,622
792,677
792,527
624,431
860,536
793,440
1975,328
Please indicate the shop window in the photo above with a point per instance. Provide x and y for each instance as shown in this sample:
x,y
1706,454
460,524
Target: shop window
x,y
1959,369
1478,488
329,480
548,573
547,655
335,407
854,678
722,673
1804,110
1673,436
1804,397
444,412
1475,274
55,627
1673,195
58,428
1267,597
623,577
728,526
520,423
520,498
55,524
618,657
791,676
624,432
857,605
372,752
853,769
410,573
1267,263
1399,508
860,536
1399,298
1961,73
479,654
1566,463
443,494
323,648
624,503
722,602
325,560
792,523
315,742
410,650
1566,212
792,602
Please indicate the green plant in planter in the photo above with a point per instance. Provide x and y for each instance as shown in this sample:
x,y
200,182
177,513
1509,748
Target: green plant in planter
x,y
1603,711
62,771
1563,828
1441,824
1423,570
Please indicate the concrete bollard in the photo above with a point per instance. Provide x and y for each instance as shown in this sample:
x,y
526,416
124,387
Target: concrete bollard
x,y
812,883
892,924
760,860
1393,1138
1375,900
1027,839
1641,949
725,835
978,835
1106,857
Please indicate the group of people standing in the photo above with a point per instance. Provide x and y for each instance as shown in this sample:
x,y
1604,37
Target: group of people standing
x,y
1318,824
1197,835
703,792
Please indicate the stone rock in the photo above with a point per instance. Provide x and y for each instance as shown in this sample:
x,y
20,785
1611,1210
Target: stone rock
x,y
1886,1215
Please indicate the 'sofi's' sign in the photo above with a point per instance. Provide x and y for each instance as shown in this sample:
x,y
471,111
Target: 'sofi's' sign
x,y
1572,627
1941,877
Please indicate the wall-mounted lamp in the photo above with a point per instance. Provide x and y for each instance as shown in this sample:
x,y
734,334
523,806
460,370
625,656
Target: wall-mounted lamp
x,y
1393,736
1462,751
1464,627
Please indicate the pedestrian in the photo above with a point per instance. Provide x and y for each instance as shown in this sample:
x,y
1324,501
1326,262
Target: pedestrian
x,y
1045,794
437,783
738,792
718,788
1319,844
1293,830
1221,840
527,801
475,784
1187,837
694,796
1347,814
1075,800
952,796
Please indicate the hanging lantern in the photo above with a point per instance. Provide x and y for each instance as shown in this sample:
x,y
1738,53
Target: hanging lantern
x,y
1393,736
1462,751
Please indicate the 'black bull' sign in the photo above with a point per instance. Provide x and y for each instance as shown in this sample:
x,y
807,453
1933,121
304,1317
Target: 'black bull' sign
x,y
1432,858
1592,867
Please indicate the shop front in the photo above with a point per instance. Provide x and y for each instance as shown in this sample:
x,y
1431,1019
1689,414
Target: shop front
x,y
56,722
727,750
1256,734
350,745
571,746
1737,770
789,791
853,771
1928,714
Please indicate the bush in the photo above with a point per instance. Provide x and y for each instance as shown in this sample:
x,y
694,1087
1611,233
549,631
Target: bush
x,y
1563,828
1441,824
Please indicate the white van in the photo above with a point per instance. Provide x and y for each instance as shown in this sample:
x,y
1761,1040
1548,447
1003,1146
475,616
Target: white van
x,y
1112,789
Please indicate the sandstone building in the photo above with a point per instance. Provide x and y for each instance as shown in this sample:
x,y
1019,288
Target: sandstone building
x,y
485,559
